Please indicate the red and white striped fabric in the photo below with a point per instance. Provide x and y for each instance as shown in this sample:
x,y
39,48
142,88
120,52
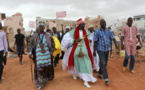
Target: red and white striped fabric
x,y
61,14
32,24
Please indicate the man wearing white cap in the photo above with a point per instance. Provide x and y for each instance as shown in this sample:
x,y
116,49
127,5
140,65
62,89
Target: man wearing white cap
x,y
67,30
78,59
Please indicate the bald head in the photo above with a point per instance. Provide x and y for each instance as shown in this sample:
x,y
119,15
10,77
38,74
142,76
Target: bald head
x,y
129,21
103,24
54,29
18,31
109,28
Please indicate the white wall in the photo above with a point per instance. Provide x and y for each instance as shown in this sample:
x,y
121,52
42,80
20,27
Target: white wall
x,y
140,24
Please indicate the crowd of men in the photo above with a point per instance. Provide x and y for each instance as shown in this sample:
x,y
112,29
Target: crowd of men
x,y
83,51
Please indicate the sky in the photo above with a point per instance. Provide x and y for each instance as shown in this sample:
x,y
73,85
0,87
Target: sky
x,y
109,9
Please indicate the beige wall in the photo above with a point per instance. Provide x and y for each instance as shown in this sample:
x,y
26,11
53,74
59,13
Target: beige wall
x,y
57,21
12,24
95,22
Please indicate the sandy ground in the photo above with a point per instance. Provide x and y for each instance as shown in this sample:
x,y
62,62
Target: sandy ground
x,y
18,77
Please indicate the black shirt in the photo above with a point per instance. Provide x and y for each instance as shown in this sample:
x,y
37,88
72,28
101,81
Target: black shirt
x,y
19,39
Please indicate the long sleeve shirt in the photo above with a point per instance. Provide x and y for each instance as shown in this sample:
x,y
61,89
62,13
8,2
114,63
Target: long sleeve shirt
x,y
3,42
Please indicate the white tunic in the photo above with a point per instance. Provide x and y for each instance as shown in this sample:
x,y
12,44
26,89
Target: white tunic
x,y
67,41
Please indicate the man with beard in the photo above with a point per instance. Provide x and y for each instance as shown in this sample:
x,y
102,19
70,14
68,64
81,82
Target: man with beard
x,y
78,59
42,46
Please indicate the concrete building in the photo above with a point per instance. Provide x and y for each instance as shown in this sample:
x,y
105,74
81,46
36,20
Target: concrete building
x,y
95,22
116,25
49,23
2,16
139,21
11,24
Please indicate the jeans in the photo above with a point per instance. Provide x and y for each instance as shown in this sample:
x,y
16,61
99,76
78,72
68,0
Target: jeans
x,y
132,61
1,63
103,55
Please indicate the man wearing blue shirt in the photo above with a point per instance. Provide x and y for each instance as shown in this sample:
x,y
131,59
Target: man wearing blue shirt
x,y
102,43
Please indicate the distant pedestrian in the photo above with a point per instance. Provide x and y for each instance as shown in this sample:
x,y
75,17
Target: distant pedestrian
x,y
19,43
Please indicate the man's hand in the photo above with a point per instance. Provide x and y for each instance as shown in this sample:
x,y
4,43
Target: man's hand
x,y
116,46
94,54
141,45
122,46
6,53
30,56
77,40
90,41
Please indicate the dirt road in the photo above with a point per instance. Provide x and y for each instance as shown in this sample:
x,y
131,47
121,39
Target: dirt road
x,y
18,77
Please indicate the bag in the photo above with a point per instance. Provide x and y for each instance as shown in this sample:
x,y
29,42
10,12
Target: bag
x,y
81,55
138,47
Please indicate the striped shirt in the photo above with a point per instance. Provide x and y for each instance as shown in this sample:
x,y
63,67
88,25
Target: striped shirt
x,y
103,38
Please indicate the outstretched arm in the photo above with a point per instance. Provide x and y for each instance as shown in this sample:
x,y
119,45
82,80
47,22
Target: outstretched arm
x,y
122,39
138,37
115,42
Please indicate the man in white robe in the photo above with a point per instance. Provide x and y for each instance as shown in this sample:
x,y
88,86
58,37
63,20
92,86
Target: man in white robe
x,y
78,58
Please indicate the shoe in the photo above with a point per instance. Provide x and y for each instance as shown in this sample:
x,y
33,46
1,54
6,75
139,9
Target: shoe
x,y
75,77
55,64
124,69
132,71
111,56
87,85
107,82
39,88
101,77
0,81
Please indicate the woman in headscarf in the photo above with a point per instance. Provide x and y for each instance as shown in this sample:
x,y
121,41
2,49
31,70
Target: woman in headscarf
x,y
42,46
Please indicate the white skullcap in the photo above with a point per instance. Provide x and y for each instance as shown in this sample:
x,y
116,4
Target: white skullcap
x,y
42,24
90,26
67,27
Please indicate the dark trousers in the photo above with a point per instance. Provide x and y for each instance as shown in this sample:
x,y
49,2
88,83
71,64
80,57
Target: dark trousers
x,y
103,55
62,55
56,60
132,61
1,63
